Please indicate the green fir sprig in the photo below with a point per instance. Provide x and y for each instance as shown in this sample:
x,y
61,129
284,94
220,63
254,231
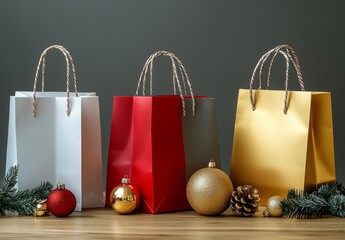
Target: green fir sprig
x,y
327,199
20,201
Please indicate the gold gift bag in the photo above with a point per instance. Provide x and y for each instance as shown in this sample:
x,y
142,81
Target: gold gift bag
x,y
282,139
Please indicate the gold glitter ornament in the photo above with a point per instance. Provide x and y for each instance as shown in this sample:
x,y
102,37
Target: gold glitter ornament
x,y
209,190
124,198
273,206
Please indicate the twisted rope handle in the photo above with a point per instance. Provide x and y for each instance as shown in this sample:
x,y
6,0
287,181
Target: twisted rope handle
x,y
69,61
150,66
294,60
260,62
185,78
61,48
183,74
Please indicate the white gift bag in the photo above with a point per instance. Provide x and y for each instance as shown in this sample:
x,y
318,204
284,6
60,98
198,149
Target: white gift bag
x,y
55,136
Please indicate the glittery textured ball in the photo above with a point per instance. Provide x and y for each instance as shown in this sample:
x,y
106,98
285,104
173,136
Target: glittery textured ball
x,y
61,202
209,191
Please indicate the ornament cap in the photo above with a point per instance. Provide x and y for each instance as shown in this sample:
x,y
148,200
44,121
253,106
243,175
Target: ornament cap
x,y
212,164
61,186
125,180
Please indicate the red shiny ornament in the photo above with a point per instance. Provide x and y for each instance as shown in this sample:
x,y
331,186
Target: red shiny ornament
x,y
61,202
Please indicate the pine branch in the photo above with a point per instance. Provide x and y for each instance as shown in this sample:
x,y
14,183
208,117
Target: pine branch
x,y
303,205
10,180
42,191
21,202
328,190
325,191
327,199
295,193
7,189
337,203
340,188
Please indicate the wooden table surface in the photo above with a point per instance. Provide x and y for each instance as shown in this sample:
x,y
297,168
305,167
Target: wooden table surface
x,y
106,224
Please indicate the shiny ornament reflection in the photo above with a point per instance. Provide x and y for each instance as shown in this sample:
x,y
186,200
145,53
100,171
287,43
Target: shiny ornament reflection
x,y
124,198
41,208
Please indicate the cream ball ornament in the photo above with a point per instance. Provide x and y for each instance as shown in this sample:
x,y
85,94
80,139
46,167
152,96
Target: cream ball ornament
x,y
273,206
209,190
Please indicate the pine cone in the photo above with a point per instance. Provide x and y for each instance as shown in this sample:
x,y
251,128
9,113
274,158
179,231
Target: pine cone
x,y
245,201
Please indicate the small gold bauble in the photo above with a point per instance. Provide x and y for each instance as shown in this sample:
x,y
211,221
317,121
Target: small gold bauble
x,y
123,199
273,206
41,208
209,190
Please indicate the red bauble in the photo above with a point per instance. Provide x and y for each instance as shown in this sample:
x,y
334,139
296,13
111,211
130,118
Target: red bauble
x,y
61,202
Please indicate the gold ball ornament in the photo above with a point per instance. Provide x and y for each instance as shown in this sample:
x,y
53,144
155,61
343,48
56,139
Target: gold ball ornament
x,y
209,190
273,206
41,208
124,198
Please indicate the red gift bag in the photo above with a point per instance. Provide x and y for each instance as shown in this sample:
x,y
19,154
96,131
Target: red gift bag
x,y
159,143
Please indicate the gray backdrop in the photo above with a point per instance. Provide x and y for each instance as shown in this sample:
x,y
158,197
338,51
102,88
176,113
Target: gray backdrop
x,y
218,41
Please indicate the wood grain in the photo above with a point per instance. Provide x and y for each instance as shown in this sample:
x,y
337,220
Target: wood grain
x,y
106,224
